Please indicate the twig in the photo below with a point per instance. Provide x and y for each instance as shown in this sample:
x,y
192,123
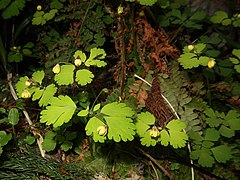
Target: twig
x,y
154,169
156,163
175,113
14,95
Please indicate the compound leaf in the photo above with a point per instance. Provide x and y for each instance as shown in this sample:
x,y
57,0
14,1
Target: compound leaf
x,y
84,77
222,153
65,76
91,129
60,111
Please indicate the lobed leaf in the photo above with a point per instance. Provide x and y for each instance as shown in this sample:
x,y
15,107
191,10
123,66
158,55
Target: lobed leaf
x,y
222,153
38,76
65,76
84,77
59,111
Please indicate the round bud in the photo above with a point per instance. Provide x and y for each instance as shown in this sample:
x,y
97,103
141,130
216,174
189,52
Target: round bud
x,y
77,62
211,63
39,7
154,132
26,94
190,47
56,69
28,82
102,130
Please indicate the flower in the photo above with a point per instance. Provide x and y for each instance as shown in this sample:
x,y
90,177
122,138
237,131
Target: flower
x,y
39,7
26,94
190,47
28,82
77,62
211,63
154,132
56,69
102,130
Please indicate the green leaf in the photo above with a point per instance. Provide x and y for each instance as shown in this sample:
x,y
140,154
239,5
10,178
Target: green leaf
x,y
96,107
226,132
30,139
81,55
204,157
212,120
4,138
38,76
165,138
233,118
38,18
65,76
13,116
60,111
27,52
13,9
48,16
147,140
66,145
219,16
14,57
234,60
49,144
83,113
28,45
207,144
95,57
177,137
222,153
50,135
4,3
212,134
118,118
84,77
144,120
198,15
188,61
20,85
55,4
91,129
147,2
45,94
198,48
236,52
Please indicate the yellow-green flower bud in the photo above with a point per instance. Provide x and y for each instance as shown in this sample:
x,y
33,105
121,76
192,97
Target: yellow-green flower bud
x,y
39,7
211,63
26,94
77,62
154,132
190,47
56,69
28,82
102,130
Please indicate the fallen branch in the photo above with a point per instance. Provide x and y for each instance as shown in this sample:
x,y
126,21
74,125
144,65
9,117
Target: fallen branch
x,y
14,95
